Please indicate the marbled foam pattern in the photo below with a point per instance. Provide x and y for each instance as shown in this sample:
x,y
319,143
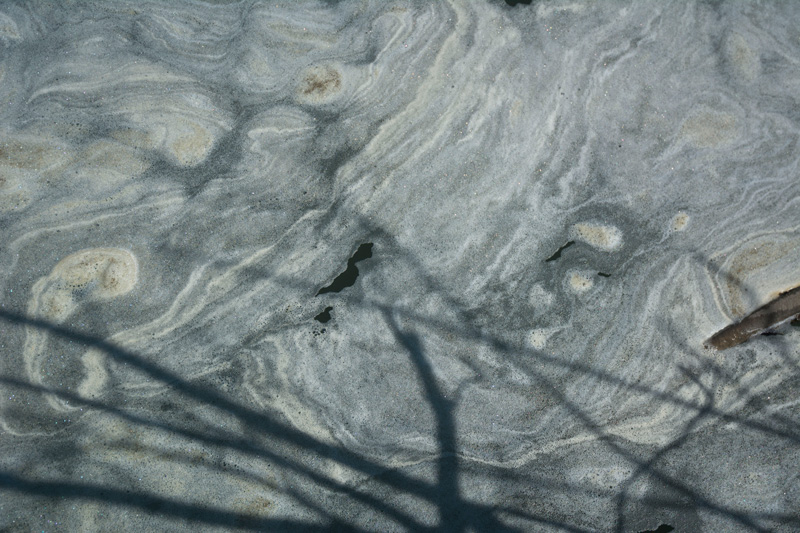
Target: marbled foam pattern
x,y
178,180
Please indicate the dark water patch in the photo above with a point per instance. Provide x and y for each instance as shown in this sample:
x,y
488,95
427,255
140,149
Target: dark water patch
x,y
557,255
324,316
350,274
663,528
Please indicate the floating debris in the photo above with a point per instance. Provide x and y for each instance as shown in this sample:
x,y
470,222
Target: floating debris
x,y
785,307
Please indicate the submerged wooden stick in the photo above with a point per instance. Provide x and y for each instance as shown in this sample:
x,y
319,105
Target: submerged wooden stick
x,y
782,308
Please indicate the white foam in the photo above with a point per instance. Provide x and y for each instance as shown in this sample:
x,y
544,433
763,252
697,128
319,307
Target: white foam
x,y
604,237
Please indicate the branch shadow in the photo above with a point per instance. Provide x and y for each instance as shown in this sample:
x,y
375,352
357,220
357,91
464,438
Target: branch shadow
x,y
454,511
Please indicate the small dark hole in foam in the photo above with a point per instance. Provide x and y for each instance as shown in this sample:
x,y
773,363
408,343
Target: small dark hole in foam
x,y
324,316
663,528
350,274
